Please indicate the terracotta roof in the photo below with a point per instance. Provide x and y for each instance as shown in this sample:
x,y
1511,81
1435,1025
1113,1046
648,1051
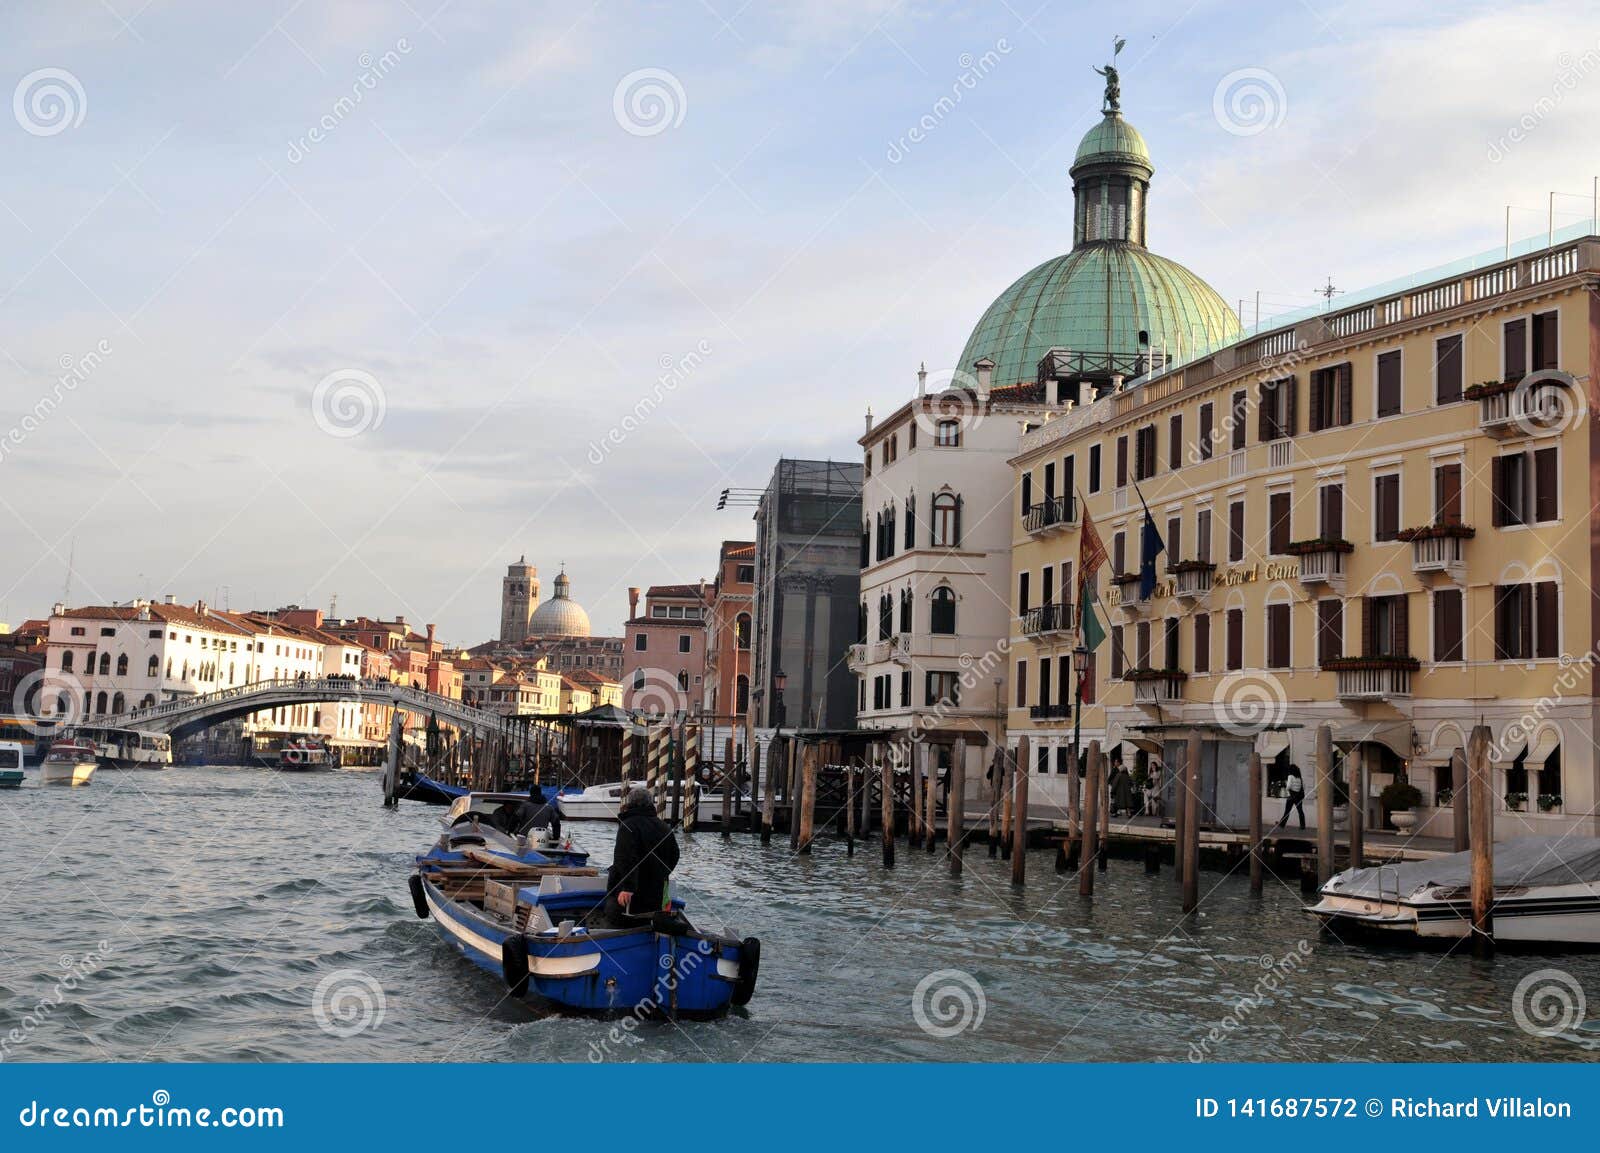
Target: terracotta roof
x,y
667,623
1024,392
674,591
592,679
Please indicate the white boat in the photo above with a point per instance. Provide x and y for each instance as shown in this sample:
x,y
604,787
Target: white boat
x,y
11,758
71,761
306,754
128,748
1546,891
600,802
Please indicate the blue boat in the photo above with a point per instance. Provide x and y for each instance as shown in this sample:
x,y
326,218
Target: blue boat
x,y
533,912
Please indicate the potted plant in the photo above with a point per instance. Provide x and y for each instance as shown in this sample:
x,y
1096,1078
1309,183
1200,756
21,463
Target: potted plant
x,y
1516,802
1440,531
1137,675
1399,800
1319,544
1353,664
1442,797
1183,566
1486,388
1549,802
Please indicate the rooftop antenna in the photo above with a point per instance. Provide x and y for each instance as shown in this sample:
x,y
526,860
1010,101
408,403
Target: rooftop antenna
x,y
333,607
66,587
1327,292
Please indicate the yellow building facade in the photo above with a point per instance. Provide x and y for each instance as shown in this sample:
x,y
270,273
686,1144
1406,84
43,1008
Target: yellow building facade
x,y
1379,517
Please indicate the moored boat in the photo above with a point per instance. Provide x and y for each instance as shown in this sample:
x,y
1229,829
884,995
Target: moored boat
x,y
533,912
70,761
11,758
306,754
117,748
1546,892
600,802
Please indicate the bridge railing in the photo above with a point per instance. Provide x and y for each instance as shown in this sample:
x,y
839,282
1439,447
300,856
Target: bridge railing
x,y
314,688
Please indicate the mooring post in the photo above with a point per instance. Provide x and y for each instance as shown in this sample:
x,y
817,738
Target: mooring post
x,y
777,764
1358,806
791,793
1255,823
918,752
1482,813
391,770
674,778
886,804
691,778
1091,821
931,789
1007,803
1460,800
1180,786
1324,803
1101,857
1019,814
808,796
866,789
730,782
753,759
627,752
955,808
850,809
996,776
1191,822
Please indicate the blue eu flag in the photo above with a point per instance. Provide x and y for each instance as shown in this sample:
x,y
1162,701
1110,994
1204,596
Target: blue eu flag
x,y
1150,546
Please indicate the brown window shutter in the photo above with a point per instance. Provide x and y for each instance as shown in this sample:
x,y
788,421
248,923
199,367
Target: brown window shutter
x,y
1447,494
1544,341
1346,406
1122,461
1207,414
1516,350
1235,638
1497,487
1447,370
1291,395
1369,646
1264,413
1236,531
1334,520
1548,616
1525,612
1175,441
1545,483
1402,625
1389,384
1202,643
1116,650
1174,541
1315,423
1330,630
1138,453
1502,622
1447,635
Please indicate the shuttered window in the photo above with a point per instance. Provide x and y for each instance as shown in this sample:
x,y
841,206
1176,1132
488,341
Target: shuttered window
x,y
1145,453
1516,350
1170,657
1385,626
1236,531
1547,620
1235,642
1174,540
1447,625
1545,485
1141,645
1207,429
1330,630
1330,502
1122,461
1094,468
1022,685
1278,505
1175,441
1525,487
1119,553
1331,402
1202,642
1447,494
1513,622
1544,341
1116,651
1278,636
1275,409
1389,383
1386,507
1447,370
1241,407
1202,535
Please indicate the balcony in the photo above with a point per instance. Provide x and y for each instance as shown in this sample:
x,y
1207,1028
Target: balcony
x,y
1386,679
1532,405
1321,561
1439,549
1128,598
900,649
855,658
1156,687
1048,620
1050,712
1192,580
1051,515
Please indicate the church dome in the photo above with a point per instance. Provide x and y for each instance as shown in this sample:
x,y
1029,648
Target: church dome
x,y
560,616
1110,301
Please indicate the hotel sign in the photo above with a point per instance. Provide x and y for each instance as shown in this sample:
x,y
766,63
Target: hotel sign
x,y
1223,578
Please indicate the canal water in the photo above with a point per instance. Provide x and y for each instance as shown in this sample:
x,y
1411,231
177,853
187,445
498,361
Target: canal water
x,y
216,914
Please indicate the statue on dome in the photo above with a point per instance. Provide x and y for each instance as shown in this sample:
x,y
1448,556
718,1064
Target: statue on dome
x,y
1113,97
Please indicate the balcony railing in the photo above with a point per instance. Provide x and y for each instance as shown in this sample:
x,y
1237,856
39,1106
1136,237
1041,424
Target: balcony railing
x,y
900,648
1506,408
1050,712
1156,686
1192,580
1045,620
1050,515
1321,561
1438,549
1128,598
1373,678
855,658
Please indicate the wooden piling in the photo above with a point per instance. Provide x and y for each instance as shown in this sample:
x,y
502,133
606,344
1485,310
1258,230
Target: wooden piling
x,y
850,809
791,793
1481,812
1255,824
730,782
1460,798
886,805
1324,803
627,753
1019,813
930,787
955,817
1005,768
777,760
919,752
391,768
1358,807
1191,822
691,778
1091,822
996,775
808,795
1101,857
1180,785
866,789
1069,847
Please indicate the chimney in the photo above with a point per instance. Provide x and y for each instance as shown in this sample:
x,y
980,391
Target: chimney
x,y
633,603
922,379
985,369
430,638
169,599
1085,392
869,419
398,619
58,609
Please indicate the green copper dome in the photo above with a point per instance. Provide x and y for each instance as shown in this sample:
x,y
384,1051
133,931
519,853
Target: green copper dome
x,y
1110,298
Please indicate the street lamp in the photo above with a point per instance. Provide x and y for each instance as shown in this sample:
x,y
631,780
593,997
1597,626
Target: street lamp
x,y
1080,668
778,683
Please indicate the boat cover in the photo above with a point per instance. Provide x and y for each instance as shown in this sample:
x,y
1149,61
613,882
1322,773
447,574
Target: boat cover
x,y
1523,862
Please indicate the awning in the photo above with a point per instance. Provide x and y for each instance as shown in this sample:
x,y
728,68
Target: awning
x,y
1543,745
1269,745
1393,735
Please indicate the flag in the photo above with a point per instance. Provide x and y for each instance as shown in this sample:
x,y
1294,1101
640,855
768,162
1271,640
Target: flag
x,y
1091,551
1150,546
1089,624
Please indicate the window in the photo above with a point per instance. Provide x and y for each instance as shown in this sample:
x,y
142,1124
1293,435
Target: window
x,y
1202,535
1447,370
1094,468
905,689
105,664
1275,411
947,434
1174,538
1447,494
658,610
947,521
1144,453
1027,492
1207,421
1119,553
1021,685
78,631
639,642
1169,644
1385,626
1330,511
122,666
1527,621
1389,383
741,630
747,574
66,661
885,617
944,688
1241,404
1023,604
683,679
1515,337
1447,625
1202,642
1235,641
108,632
911,521
1330,397
1278,625
1044,680
1278,504
154,667
1544,341
905,610
1330,630
1175,441
1386,507
1141,645
1116,652
684,641
1524,486
1236,531
1122,461
911,436
943,619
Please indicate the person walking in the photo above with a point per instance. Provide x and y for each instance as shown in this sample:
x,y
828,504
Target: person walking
x,y
1294,795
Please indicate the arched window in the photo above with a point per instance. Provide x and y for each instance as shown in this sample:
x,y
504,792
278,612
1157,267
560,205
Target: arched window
x,y
185,674
154,667
947,520
885,617
122,666
88,663
683,679
944,611
105,664
744,694
861,624
905,610
947,434
741,630
100,702
117,703
66,661
148,700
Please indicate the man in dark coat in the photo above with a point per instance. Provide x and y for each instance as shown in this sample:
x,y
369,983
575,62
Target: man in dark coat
x,y
645,856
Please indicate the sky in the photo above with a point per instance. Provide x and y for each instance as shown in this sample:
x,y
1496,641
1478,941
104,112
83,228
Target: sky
x,y
308,300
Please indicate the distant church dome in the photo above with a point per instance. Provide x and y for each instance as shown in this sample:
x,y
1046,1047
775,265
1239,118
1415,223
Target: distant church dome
x,y
1110,300
560,616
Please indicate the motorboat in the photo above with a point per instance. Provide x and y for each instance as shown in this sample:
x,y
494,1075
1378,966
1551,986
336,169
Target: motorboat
x,y
119,748
525,906
1546,892
306,754
601,802
70,761
11,760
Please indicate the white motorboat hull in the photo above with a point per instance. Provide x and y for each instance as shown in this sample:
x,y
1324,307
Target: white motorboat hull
x,y
1553,915
67,773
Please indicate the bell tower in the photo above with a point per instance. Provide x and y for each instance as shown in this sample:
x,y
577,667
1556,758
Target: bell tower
x,y
519,596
